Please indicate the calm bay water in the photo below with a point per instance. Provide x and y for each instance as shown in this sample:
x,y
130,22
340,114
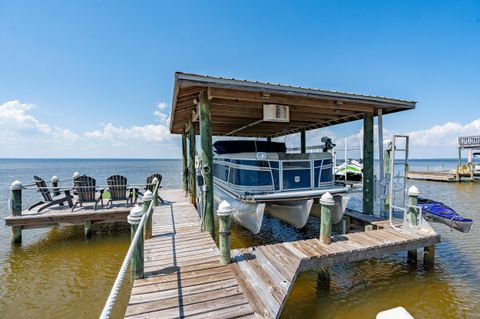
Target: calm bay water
x,y
56,273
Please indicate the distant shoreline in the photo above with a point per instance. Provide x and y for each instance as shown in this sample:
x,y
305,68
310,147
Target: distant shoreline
x,y
173,159
89,158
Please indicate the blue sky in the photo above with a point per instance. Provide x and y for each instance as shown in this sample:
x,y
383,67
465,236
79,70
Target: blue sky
x,y
84,78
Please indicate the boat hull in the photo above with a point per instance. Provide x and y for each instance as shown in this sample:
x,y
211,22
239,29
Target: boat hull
x,y
294,213
441,213
461,224
246,214
341,203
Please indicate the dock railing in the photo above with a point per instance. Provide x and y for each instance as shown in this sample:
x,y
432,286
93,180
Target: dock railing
x,y
138,219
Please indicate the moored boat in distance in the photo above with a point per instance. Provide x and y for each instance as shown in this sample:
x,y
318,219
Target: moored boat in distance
x,y
351,168
258,177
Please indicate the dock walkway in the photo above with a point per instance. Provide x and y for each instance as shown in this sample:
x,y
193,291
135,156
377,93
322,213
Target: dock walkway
x,y
183,277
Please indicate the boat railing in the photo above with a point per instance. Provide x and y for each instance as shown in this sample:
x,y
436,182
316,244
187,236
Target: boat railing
x,y
282,166
112,297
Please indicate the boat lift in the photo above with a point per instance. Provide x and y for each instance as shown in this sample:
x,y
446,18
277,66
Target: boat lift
x,y
397,192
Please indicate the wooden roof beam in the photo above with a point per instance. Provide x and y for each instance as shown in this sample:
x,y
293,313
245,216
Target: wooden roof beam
x,y
229,94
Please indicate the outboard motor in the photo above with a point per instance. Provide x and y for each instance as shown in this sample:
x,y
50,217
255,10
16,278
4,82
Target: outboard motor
x,y
327,143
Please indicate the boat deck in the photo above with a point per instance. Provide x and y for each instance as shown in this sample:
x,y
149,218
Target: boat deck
x,y
183,277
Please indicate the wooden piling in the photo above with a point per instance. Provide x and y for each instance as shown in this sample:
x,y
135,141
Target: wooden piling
x,y
324,277
155,193
55,189
429,255
137,262
147,199
184,161
459,164
16,206
87,228
412,217
386,158
207,161
192,185
368,178
327,204
224,213
303,141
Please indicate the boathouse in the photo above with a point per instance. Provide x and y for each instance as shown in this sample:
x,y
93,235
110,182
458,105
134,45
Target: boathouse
x,y
213,106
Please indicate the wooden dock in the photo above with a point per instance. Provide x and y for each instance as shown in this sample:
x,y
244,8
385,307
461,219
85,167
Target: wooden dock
x,y
435,176
63,216
183,277
440,176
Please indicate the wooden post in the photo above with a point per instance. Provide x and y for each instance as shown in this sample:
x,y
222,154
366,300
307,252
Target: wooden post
x,y
324,277
16,206
429,256
327,204
386,157
147,199
470,164
380,144
192,185
207,161
184,161
136,261
87,228
55,189
224,213
303,141
459,164
348,221
155,192
368,178
412,217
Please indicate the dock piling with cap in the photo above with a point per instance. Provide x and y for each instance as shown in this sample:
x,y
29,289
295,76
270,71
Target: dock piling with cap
x,y
137,261
16,209
224,212
412,217
147,199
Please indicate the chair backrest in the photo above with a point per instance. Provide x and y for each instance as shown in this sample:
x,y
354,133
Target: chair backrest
x,y
150,178
42,188
85,187
117,186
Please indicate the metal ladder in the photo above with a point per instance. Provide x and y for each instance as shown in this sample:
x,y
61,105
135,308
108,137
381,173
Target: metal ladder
x,y
397,188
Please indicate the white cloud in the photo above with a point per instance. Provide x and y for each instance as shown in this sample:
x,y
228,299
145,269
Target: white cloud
x,y
445,134
152,133
17,123
162,105
119,135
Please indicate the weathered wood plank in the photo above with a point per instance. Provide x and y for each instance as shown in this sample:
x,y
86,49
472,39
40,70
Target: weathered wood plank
x,y
183,275
185,279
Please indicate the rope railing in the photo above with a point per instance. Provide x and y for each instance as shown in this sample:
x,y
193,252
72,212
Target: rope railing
x,y
59,181
112,298
33,187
